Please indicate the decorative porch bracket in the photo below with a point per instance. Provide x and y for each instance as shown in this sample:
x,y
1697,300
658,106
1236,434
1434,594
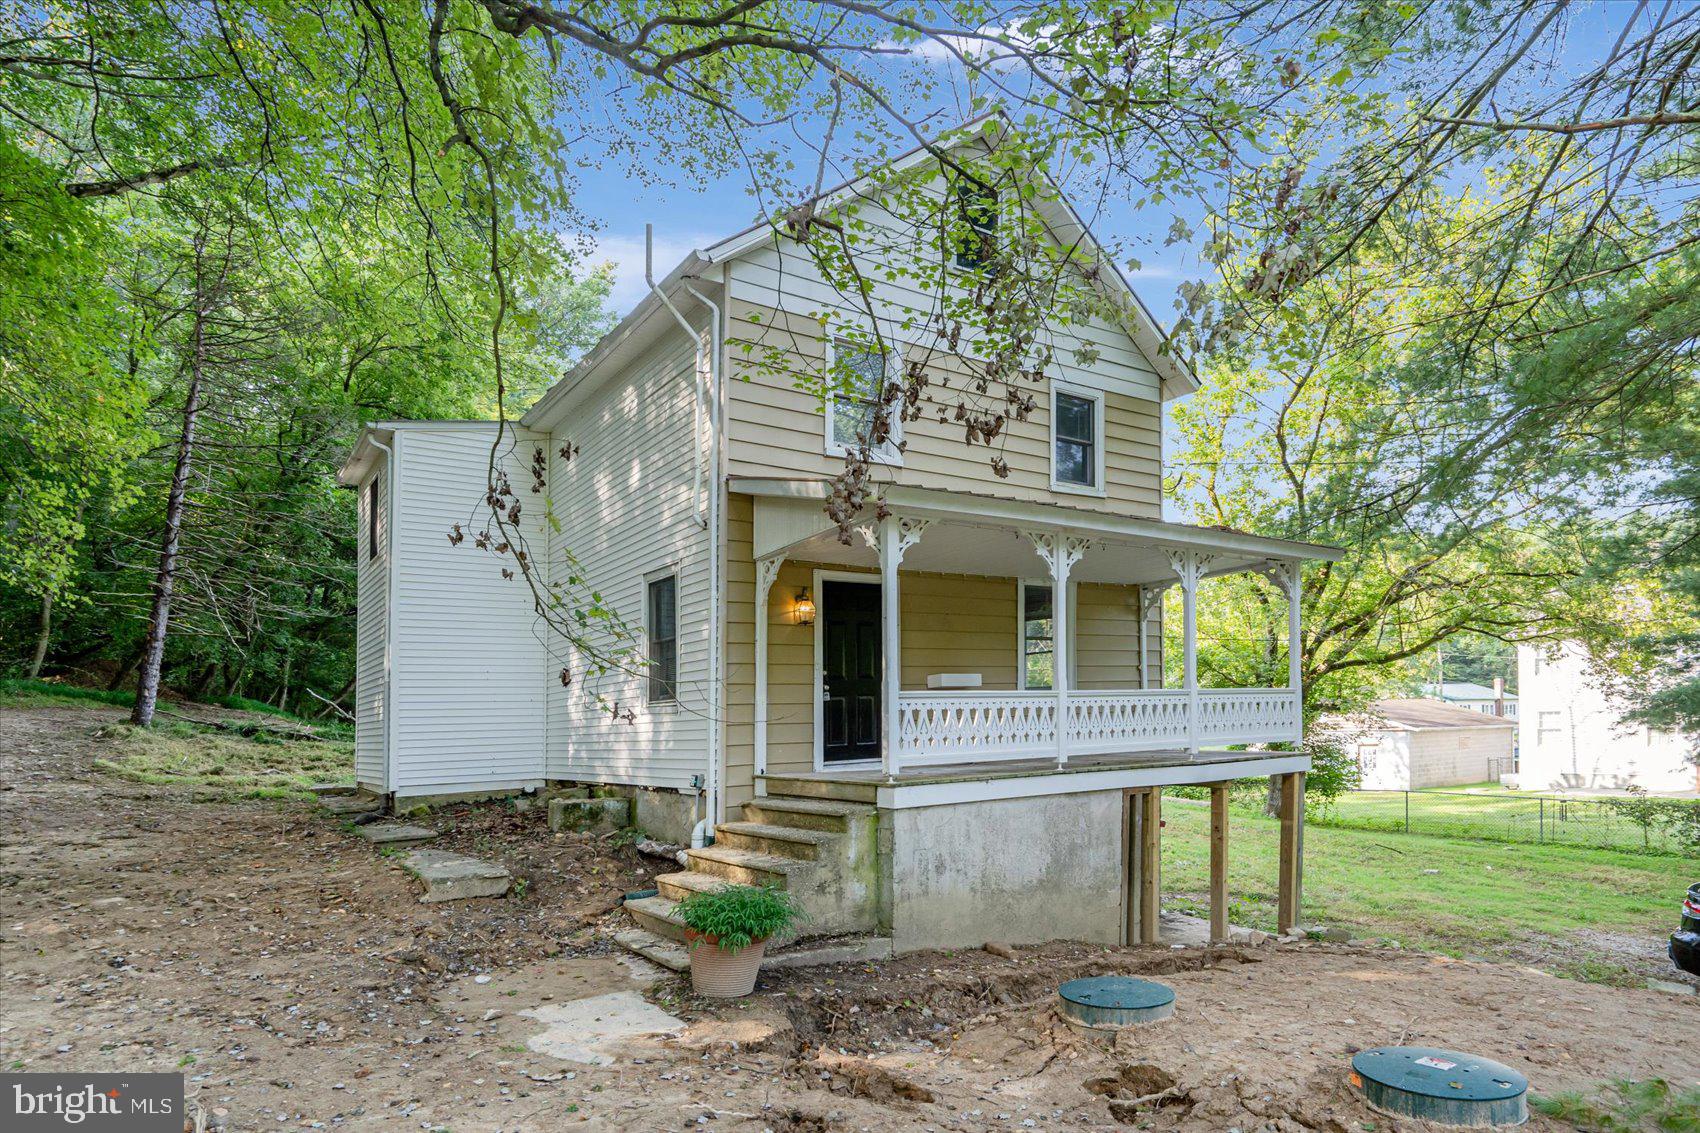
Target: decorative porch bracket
x,y
767,570
1189,568
892,539
1150,601
1060,553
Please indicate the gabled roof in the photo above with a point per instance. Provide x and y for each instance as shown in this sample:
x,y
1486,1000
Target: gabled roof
x,y
635,329
1416,715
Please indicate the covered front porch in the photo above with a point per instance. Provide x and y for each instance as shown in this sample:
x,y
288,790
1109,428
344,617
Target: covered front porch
x,y
898,696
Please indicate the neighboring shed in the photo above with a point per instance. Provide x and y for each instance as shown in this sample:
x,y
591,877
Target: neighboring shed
x,y
1409,745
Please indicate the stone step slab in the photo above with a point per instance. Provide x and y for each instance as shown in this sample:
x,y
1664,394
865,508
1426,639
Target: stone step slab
x,y
449,876
397,835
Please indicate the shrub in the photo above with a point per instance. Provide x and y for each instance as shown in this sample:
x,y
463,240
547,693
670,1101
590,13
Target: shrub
x,y
738,915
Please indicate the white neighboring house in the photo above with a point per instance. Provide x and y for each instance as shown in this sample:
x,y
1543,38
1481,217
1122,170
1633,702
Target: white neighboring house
x,y
951,729
1411,745
1574,735
1493,701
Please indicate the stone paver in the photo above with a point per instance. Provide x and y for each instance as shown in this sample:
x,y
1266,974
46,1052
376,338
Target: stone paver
x,y
396,834
449,876
349,805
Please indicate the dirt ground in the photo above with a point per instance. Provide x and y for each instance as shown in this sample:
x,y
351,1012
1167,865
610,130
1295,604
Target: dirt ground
x,y
290,972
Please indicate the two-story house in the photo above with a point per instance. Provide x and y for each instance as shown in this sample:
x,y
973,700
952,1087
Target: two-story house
x,y
953,729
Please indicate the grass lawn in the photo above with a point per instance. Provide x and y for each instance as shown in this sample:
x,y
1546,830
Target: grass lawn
x,y
1506,816
1569,909
221,766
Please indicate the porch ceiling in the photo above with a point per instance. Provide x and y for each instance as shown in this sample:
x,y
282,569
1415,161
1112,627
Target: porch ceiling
x,y
959,541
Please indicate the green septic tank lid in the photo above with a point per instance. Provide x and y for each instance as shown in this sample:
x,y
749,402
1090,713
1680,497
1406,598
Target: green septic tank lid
x,y
1443,1086
1111,1001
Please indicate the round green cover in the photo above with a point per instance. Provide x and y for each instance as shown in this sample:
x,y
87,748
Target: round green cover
x,y
1444,1086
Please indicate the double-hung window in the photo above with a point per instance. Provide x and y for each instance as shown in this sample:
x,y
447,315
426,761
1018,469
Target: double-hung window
x,y
661,618
1038,636
1077,440
856,378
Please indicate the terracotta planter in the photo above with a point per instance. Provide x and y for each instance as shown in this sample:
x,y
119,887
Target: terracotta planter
x,y
719,974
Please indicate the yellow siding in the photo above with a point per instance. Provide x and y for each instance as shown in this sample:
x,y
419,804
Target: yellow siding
x,y
777,430
951,624
1106,626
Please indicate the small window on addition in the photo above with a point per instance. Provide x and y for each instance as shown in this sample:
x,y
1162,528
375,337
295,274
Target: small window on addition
x,y
372,519
1076,440
978,237
662,616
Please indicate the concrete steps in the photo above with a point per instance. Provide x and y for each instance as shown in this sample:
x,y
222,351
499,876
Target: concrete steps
x,y
831,815
779,841
678,886
744,867
805,788
821,850
655,949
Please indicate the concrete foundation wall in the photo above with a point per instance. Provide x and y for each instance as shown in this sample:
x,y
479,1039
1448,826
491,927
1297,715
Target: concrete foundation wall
x,y
1020,871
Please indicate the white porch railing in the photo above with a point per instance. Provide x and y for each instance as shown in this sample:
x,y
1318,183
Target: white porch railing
x,y
958,727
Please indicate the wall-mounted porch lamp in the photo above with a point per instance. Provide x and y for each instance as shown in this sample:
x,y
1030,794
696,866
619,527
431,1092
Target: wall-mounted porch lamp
x,y
803,612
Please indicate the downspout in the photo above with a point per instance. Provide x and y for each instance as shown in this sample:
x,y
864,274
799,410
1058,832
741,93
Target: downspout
x,y
716,579
393,464
700,832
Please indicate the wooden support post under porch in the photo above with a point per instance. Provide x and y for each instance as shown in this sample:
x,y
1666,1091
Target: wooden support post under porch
x,y
1291,866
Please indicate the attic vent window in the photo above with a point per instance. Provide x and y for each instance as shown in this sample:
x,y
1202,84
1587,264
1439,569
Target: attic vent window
x,y
978,237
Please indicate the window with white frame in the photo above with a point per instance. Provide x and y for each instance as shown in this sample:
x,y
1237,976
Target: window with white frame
x,y
1038,636
856,376
1077,439
661,622
1549,727
977,207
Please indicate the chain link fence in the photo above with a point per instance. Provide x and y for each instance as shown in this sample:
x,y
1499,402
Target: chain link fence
x,y
1636,824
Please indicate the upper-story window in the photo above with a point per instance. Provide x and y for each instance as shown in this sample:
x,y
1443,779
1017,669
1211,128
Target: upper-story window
x,y
856,375
662,617
978,236
1077,440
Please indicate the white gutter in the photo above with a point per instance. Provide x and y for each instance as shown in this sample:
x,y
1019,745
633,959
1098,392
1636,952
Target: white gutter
x,y
394,469
716,523
711,781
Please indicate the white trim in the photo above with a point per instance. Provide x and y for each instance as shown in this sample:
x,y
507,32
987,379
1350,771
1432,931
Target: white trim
x,y
1062,782
819,575
1096,397
960,507
890,453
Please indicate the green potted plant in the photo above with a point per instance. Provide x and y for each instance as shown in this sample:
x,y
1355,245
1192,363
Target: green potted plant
x,y
727,931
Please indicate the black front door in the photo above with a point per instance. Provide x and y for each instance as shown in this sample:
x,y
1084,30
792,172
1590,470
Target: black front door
x,y
850,671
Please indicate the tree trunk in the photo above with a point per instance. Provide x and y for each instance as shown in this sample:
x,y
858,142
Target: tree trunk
x,y
42,635
153,651
1272,800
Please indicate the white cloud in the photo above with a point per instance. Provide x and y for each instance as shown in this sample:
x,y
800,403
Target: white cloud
x,y
625,250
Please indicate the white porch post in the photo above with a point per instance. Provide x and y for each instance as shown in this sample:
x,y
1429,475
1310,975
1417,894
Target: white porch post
x,y
1189,566
1292,583
1060,553
766,571
894,538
